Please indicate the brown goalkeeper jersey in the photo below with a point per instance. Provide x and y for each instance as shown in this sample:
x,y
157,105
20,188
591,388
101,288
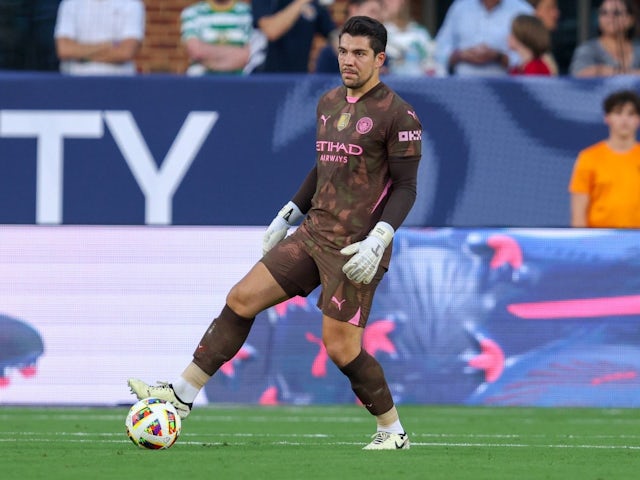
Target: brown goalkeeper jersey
x,y
368,151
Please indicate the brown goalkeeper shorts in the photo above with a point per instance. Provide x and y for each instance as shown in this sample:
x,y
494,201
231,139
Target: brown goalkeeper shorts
x,y
299,265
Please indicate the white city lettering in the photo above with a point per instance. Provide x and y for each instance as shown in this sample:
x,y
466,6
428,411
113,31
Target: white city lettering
x,y
159,184
51,127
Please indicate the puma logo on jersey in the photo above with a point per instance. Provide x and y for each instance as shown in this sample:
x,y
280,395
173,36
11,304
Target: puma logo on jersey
x,y
338,302
324,119
413,114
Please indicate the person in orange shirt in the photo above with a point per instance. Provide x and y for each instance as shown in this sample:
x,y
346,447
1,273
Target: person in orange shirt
x,y
605,184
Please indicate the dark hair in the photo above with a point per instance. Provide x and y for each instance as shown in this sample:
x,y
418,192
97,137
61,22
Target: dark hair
x,y
532,33
630,7
361,26
619,99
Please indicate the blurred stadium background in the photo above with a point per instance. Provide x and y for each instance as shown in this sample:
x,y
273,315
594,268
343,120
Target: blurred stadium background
x,y
492,299
161,51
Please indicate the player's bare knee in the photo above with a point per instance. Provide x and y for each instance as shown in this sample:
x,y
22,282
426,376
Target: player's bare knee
x,y
339,352
239,300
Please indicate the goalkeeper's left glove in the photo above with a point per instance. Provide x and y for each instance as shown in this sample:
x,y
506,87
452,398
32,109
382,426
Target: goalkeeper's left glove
x,y
287,217
364,264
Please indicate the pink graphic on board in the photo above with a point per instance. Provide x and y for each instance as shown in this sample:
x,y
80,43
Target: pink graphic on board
x,y
247,352
507,251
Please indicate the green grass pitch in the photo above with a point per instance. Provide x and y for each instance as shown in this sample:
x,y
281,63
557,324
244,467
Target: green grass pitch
x,y
280,443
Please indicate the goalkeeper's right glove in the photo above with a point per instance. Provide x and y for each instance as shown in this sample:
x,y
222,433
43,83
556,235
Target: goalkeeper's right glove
x,y
287,217
363,265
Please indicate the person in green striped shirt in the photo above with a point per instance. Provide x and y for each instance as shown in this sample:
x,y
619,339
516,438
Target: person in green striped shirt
x,y
218,36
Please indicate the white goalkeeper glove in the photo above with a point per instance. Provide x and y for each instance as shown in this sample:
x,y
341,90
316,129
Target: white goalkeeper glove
x,y
287,217
364,264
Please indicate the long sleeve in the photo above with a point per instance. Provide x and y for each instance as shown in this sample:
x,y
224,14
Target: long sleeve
x,y
307,189
404,178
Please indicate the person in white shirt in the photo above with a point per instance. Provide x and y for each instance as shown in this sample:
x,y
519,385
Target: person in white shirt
x,y
473,37
410,47
99,37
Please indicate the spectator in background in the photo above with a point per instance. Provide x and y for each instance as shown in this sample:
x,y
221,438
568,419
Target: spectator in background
x,y
530,39
549,13
217,36
26,34
327,60
99,37
410,47
615,50
473,37
605,184
290,27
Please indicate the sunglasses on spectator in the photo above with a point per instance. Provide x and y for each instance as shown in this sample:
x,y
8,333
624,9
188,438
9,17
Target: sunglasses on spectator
x,y
615,13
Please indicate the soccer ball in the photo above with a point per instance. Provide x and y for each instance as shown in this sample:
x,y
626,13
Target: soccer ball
x,y
153,423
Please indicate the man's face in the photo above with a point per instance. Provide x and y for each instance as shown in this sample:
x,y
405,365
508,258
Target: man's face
x,y
549,13
359,66
623,121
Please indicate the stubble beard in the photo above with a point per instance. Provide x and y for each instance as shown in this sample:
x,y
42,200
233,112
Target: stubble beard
x,y
356,83
352,84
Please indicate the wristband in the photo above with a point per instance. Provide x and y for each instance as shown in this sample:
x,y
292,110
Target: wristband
x,y
290,213
384,232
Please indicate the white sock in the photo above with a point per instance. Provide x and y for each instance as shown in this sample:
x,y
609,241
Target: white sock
x,y
185,391
395,427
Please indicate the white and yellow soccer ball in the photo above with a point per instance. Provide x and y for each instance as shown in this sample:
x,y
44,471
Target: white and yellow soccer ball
x,y
153,423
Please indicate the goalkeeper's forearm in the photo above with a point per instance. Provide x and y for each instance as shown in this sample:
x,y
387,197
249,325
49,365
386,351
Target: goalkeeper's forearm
x,y
404,172
307,189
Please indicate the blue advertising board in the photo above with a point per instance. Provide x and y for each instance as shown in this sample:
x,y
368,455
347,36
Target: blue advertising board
x,y
230,151
478,311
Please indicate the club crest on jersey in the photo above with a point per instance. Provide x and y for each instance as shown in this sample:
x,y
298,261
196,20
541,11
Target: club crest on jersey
x,y
343,121
364,125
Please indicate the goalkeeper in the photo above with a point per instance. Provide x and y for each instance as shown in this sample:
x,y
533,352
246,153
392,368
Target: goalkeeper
x,y
358,193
